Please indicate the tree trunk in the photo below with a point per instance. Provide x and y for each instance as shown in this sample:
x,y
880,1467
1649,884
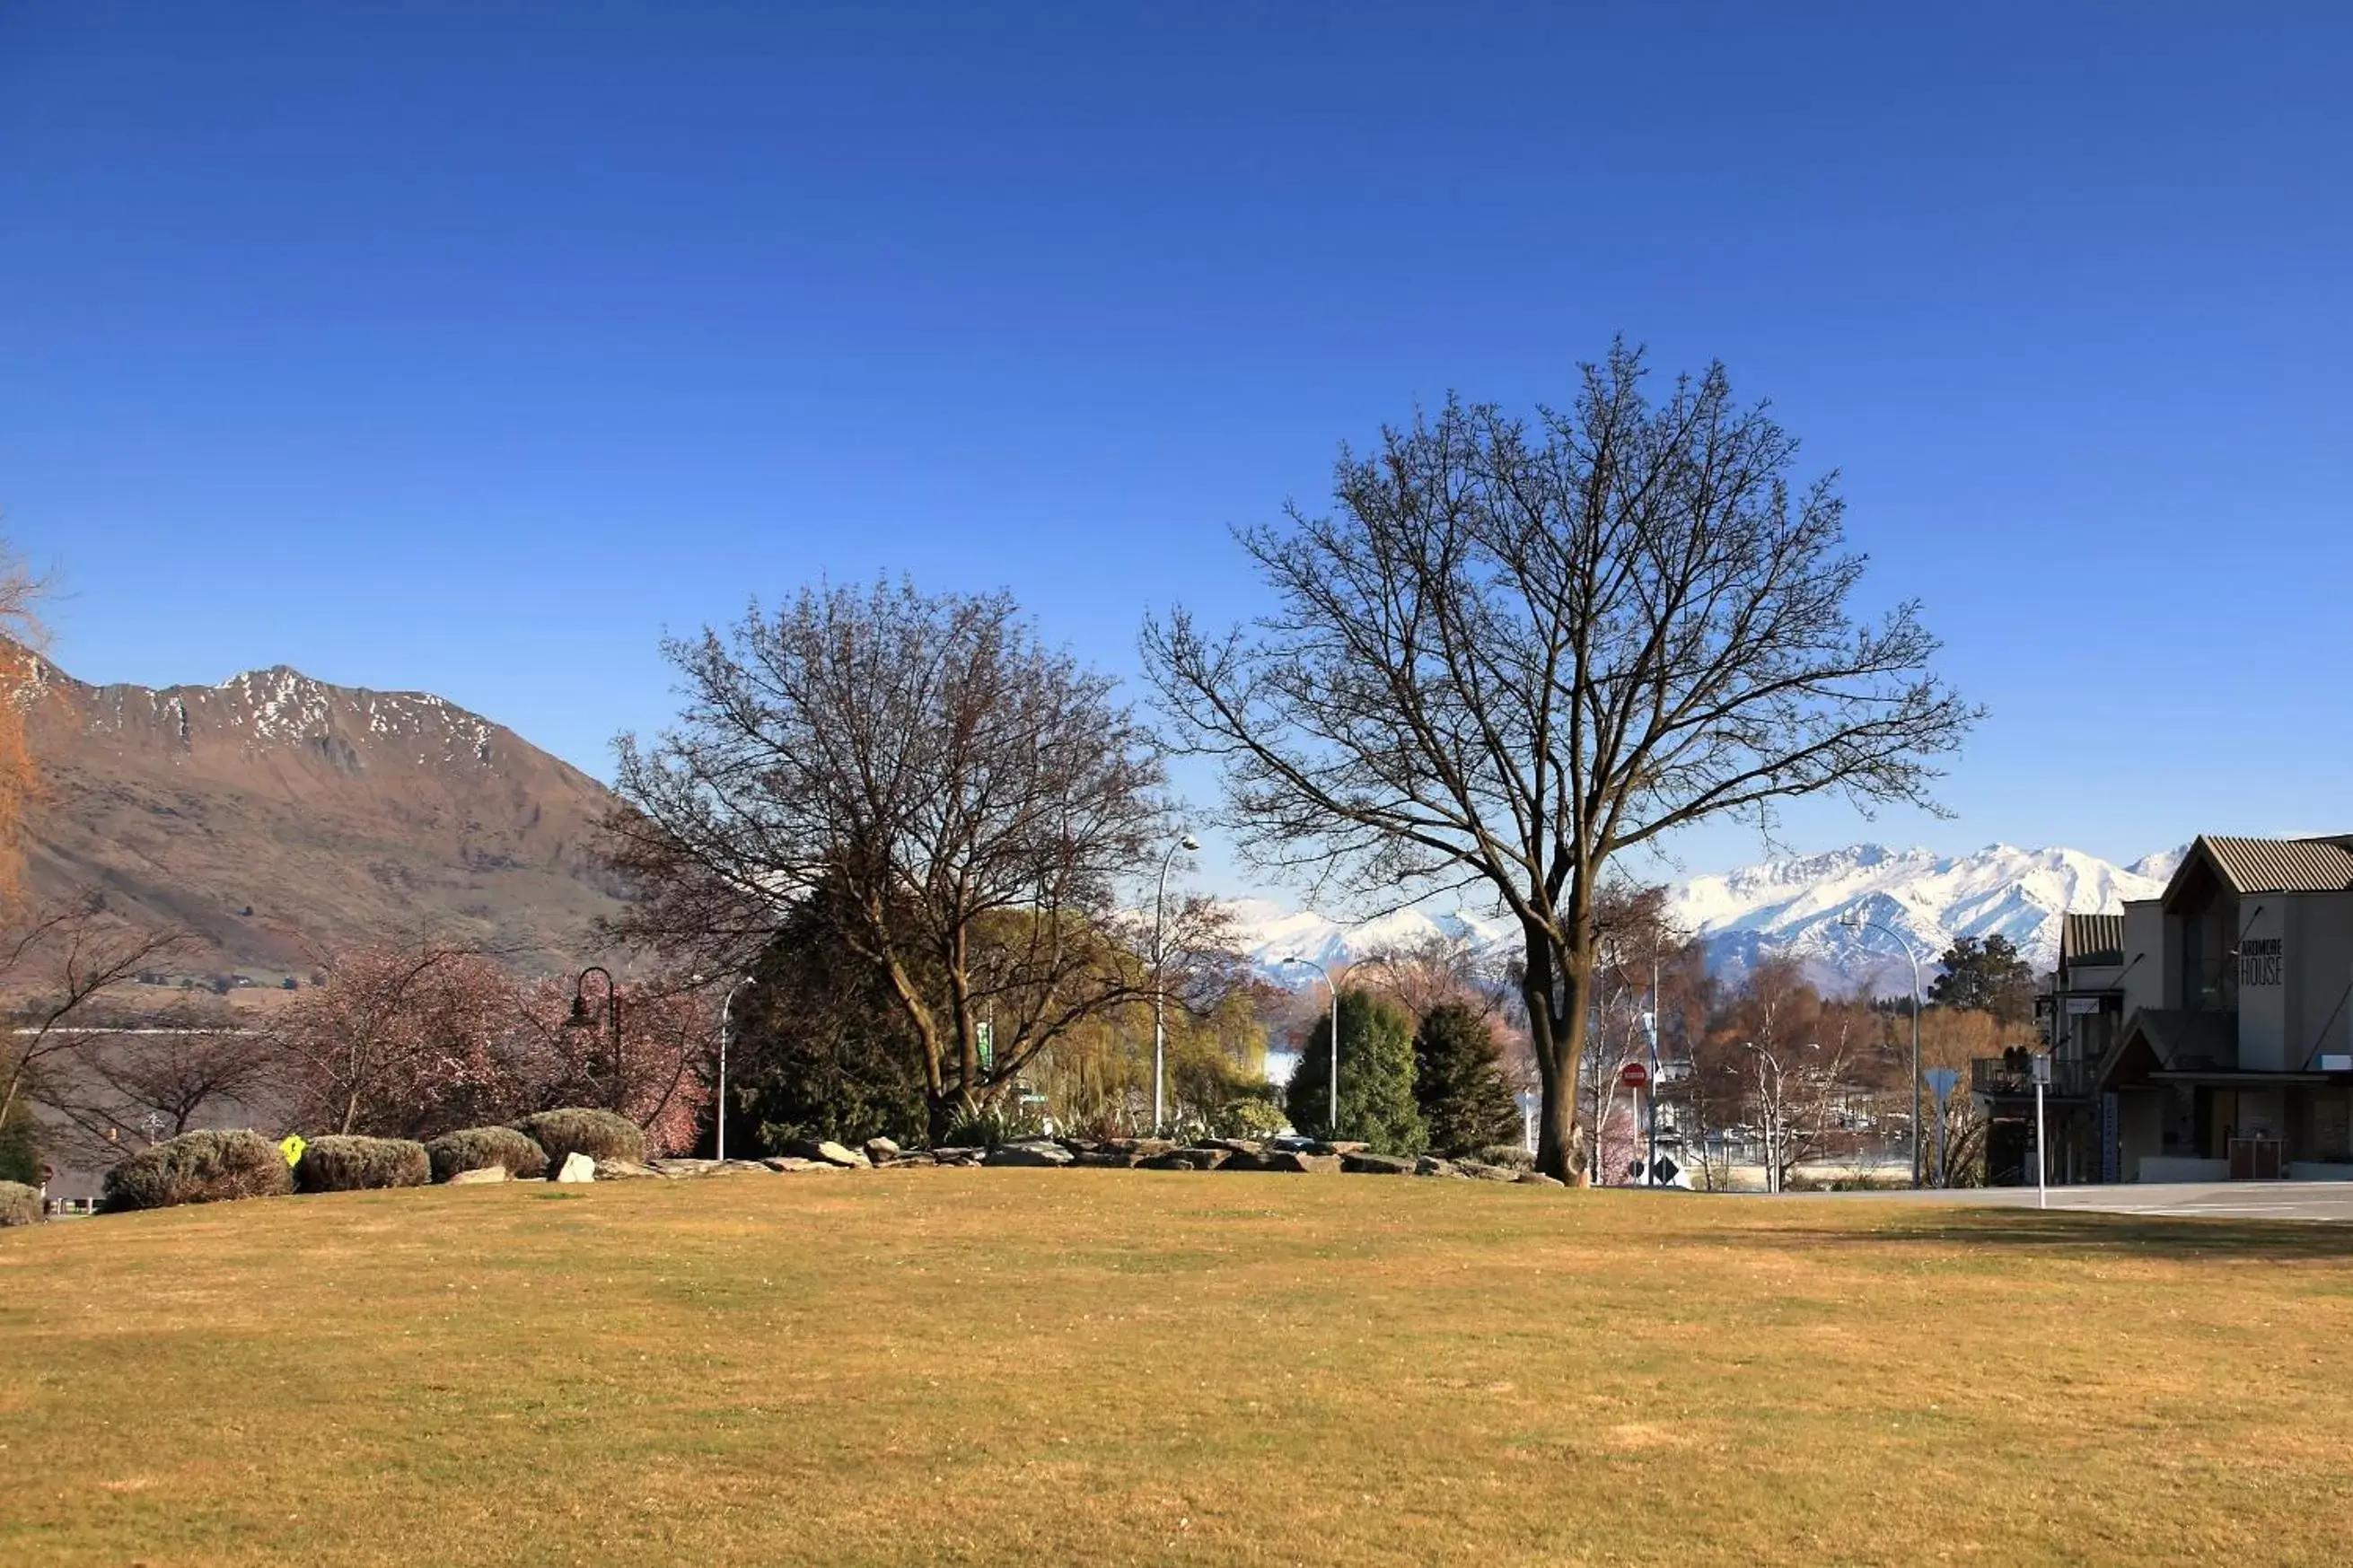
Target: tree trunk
x,y
1558,1043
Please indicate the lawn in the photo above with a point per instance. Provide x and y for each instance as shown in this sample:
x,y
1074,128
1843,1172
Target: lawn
x,y
981,1365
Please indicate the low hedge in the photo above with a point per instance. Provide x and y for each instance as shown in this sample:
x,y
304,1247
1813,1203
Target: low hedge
x,y
599,1134
20,1205
480,1148
341,1164
199,1168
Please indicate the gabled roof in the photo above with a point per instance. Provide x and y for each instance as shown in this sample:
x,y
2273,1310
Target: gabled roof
x,y
2276,865
2170,1039
2091,940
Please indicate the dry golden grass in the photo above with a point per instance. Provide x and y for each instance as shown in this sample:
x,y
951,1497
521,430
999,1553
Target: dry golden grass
x,y
973,1366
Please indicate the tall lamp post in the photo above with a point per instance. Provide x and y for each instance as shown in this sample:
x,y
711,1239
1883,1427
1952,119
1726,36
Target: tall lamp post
x,y
1332,1111
1159,989
725,1008
1853,919
582,1018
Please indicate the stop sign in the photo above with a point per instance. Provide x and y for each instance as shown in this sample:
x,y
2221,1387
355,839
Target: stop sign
x,y
1634,1075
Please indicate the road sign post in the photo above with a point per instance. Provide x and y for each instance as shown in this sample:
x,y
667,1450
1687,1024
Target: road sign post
x,y
1636,1076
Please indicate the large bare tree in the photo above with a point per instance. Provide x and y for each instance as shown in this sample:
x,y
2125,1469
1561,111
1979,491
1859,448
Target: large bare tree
x,y
1515,651
970,802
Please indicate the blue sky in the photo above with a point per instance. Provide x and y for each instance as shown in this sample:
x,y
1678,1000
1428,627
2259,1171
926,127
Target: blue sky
x,y
467,347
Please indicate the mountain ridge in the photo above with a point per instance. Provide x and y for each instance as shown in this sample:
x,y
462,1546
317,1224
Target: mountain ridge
x,y
275,816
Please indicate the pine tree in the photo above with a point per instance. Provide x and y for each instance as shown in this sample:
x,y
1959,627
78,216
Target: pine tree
x,y
1376,1103
1458,1082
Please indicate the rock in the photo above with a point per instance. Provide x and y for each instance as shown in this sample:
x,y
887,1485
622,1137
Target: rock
x,y
577,1167
681,1165
1106,1159
1538,1179
1298,1159
832,1153
630,1171
883,1151
1033,1154
1431,1165
1363,1162
1478,1171
1181,1160
1240,1159
957,1156
1232,1145
488,1176
786,1163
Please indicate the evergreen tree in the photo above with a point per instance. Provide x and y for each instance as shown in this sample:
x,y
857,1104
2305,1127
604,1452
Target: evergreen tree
x,y
1376,1104
1988,977
1458,1082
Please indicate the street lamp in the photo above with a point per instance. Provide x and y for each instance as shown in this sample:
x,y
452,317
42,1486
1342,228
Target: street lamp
x,y
1853,919
1159,990
723,1008
582,1018
1332,1112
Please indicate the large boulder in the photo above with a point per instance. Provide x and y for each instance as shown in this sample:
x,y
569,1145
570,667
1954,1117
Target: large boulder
x,y
636,1170
1036,1152
957,1156
1106,1159
1237,1159
481,1176
576,1167
1478,1170
1538,1179
1431,1165
1184,1159
825,1149
883,1151
1233,1145
1363,1162
787,1163
1299,1160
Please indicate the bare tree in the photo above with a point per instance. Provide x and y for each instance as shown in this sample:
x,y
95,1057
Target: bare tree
x,y
1511,657
399,1032
162,1073
66,955
971,802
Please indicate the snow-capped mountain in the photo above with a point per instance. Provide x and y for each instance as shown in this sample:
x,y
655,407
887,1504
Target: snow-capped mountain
x,y
1800,905
1268,933
1796,905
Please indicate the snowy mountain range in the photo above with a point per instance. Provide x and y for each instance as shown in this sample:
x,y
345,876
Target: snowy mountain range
x,y
1797,905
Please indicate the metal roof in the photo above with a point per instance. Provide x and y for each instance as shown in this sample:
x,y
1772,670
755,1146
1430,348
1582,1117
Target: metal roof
x,y
2092,939
2282,865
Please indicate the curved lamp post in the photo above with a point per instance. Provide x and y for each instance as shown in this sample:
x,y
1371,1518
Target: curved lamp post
x,y
1853,919
724,1008
582,1018
1332,1108
1159,990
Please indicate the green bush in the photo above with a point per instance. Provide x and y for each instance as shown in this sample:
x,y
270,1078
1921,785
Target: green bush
x,y
341,1165
1512,1156
1252,1116
20,1205
199,1168
20,1146
1376,1104
599,1134
480,1148
986,1127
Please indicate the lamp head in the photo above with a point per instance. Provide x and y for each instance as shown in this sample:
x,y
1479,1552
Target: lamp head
x,y
1852,919
580,1018
1188,843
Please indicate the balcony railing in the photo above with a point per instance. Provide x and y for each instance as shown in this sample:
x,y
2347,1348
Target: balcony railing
x,y
1993,1075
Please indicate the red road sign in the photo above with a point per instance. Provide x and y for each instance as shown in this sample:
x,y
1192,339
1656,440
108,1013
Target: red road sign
x,y
1634,1075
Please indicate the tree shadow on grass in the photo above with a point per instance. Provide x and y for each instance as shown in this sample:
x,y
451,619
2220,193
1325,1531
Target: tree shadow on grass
x,y
2079,1232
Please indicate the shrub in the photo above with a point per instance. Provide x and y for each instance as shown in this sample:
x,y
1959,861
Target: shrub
x,y
1252,1116
986,1127
599,1134
345,1164
20,1205
1512,1156
480,1148
199,1168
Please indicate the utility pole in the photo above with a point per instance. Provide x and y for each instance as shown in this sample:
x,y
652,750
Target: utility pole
x,y
1160,985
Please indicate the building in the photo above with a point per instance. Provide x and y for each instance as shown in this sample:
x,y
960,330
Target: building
x,y
2203,1034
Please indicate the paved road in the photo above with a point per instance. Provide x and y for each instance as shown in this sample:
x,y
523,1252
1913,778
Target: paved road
x,y
2209,1200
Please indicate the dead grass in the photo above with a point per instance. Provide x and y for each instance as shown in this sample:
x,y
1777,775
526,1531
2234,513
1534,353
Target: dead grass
x,y
969,1366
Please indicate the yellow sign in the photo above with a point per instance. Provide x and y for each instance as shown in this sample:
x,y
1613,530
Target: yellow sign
x,y
291,1146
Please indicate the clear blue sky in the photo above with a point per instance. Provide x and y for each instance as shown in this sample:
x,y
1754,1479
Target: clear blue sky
x,y
469,346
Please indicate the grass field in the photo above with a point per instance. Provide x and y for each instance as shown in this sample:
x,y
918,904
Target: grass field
x,y
944,1365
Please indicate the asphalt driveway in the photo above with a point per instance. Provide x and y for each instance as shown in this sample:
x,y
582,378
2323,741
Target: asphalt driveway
x,y
2208,1200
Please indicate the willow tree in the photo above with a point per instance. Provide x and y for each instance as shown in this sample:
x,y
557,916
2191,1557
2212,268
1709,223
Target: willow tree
x,y
970,803
1515,651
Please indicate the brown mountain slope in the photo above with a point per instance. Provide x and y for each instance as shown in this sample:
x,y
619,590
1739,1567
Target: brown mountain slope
x,y
333,815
